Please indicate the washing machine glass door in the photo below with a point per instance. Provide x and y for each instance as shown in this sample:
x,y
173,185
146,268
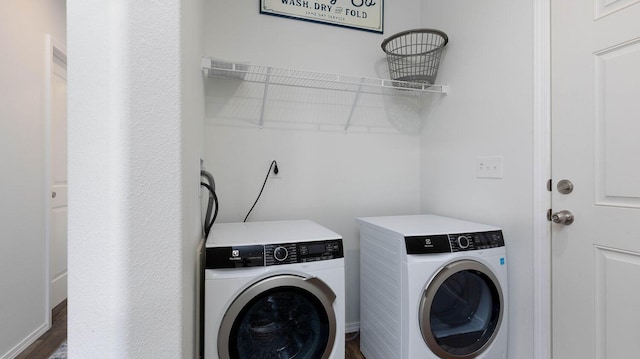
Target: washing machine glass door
x,y
461,310
283,317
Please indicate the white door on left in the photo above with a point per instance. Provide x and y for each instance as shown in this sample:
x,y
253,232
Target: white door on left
x,y
58,173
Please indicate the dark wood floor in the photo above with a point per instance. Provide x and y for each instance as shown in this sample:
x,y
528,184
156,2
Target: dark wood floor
x,y
44,346
352,347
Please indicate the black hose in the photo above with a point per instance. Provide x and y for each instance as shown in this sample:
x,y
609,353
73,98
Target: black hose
x,y
213,202
273,163
212,192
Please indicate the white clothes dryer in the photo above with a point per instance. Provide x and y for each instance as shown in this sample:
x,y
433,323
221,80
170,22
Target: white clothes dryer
x,y
432,287
274,290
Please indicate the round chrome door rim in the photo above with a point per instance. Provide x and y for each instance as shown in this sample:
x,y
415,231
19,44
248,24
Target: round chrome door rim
x,y
427,300
316,287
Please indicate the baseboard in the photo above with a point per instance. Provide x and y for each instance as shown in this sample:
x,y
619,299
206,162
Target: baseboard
x,y
352,327
58,291
24,344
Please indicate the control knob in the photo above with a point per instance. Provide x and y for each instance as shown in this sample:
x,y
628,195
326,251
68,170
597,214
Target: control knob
x,y
463,242
280,253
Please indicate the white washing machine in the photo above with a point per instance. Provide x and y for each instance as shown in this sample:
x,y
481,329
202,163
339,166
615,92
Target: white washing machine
x,y
274,290
432,287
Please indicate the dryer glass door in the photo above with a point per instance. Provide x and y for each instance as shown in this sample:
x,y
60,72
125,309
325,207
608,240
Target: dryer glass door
x,y
282,317
461,310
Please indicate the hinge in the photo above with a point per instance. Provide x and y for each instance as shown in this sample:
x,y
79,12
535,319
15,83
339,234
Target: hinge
x,y
549,185
549,214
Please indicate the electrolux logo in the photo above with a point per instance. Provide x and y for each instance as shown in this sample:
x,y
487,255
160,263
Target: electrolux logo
x,y
235,255
428,243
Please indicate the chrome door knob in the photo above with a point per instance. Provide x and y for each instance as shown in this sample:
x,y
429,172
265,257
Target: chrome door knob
x,y
565,186
563,217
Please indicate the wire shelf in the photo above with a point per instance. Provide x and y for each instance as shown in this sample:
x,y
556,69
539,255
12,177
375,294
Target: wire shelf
x,y
317,80
359,86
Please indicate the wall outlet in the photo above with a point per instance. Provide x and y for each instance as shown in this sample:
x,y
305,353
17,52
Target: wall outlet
x,y
489,166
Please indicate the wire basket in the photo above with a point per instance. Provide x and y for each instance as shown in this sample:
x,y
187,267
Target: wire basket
x,y
414,55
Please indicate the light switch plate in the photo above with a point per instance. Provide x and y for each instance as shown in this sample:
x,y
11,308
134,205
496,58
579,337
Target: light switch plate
x,y
489,166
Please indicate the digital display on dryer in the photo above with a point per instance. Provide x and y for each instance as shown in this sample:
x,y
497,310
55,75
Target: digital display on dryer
x,y
486,240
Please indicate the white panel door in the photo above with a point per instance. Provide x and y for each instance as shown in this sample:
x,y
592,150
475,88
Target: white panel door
x,y
596,145
58,151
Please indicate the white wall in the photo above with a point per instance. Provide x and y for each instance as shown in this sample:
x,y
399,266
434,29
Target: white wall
x,y
24,312
331,178
135,109
192,98
488,65
326,175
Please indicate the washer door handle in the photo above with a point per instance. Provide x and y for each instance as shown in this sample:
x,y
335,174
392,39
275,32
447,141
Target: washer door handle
x,y
317,283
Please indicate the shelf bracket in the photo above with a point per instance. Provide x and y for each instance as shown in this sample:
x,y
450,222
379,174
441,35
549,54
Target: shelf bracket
x,y
264,96
355,103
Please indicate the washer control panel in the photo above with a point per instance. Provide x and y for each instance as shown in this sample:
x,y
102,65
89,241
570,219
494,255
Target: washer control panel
x,y
320,251
285,253
457,242
302,252
272,254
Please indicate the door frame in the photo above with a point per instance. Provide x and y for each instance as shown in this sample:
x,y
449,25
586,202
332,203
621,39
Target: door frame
x,y
53,49
541,175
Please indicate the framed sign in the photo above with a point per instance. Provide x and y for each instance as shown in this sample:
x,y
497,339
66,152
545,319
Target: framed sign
x,y
364,15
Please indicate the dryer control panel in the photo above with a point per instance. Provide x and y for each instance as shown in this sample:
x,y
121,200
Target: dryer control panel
x,y
457,242
273,254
